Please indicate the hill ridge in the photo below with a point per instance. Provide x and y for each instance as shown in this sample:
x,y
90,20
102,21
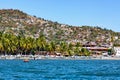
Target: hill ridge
x,y
17,22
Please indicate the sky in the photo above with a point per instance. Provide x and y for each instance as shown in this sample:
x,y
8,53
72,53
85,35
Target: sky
x,y
102,13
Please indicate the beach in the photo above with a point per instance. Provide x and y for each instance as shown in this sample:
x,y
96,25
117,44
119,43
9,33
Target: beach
x,y
53,57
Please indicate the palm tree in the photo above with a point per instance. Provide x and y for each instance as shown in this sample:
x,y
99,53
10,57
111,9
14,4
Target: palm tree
x,y
41,43
57,49
78,44
83,52
70,52
5,43
77,51
53,45
63,48
71,46
1,47
49,48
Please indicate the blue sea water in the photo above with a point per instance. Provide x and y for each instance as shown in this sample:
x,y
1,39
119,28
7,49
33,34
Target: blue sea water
x,y
60,70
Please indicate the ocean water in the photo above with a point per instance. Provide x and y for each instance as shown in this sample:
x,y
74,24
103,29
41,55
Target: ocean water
x,y
60,70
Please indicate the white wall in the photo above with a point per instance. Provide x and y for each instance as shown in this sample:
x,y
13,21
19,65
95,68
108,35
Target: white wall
x,y
117,51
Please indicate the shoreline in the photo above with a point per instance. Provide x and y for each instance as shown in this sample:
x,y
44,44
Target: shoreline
x,y
52,57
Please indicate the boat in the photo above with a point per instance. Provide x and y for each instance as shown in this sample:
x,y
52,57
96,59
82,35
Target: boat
x,y
26,60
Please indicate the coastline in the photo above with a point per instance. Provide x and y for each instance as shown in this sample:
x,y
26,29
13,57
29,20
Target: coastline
x,y
52,57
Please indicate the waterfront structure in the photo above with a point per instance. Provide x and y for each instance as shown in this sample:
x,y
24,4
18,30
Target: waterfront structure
x,y
117,51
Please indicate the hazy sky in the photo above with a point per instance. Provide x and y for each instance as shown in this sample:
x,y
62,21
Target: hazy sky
x,y
102,13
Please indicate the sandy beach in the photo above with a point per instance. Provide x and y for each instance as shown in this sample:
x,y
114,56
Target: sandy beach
x,y
37,57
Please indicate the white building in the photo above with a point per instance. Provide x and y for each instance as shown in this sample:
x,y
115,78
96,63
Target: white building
x,y
117,51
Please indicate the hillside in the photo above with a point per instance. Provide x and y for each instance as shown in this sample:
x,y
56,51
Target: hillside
x,y
19,23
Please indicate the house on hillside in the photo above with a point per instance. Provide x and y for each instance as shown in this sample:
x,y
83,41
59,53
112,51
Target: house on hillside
x,y
98,50
89,44
92,47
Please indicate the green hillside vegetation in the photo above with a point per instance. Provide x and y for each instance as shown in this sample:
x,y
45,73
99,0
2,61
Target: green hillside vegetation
x,y
11,44
25,34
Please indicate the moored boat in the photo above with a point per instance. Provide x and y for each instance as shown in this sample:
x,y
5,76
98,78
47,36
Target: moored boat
x,y
26,60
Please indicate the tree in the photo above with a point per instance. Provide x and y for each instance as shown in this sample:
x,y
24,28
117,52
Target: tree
x,y
41,43
109,51
63,47
78,44
76,51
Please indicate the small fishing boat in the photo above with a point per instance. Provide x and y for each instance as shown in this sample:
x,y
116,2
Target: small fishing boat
x,y
26,60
